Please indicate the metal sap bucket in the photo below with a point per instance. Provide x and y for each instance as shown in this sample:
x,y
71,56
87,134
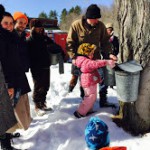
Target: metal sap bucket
x,y
127,81
57,59
109,76
54,58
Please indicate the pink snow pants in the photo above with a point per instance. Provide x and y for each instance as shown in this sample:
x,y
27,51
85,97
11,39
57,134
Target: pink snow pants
x,y
89,99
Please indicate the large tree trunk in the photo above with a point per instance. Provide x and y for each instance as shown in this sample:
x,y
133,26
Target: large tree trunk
x,y
134,34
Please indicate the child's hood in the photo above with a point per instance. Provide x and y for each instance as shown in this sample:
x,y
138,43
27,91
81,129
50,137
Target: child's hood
x,y
79,61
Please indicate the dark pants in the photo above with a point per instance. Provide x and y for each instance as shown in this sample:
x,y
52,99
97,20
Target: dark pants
x,y
41,79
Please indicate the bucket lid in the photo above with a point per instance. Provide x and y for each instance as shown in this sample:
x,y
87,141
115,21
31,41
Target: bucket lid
x,y
130,66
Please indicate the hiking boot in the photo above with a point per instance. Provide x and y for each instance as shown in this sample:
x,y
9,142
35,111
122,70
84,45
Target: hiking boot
x,y
45,108
77,114
39,112
103,100
107,104
5,142
39,109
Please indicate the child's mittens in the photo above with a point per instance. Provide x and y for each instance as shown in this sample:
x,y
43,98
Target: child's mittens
x,y
111,63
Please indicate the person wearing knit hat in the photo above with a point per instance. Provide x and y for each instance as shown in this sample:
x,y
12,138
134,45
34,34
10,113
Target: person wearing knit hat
x,y
109,25
21,22
89,77
40,45
89,29
36,26
113,39
96,134
23,87
18,15
93,12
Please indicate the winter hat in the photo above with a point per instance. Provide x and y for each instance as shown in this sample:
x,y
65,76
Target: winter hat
x,y
18,15
2,10
35,23
114,148
93,12
109,25
86,48
96,134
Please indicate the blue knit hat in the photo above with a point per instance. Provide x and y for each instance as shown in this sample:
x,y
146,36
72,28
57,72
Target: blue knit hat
x,y
96,134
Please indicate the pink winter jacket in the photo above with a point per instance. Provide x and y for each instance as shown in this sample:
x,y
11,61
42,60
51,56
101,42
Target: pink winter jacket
x,y
88,67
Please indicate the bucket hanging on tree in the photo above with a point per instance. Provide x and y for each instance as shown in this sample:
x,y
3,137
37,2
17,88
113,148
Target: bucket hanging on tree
x,y
127,81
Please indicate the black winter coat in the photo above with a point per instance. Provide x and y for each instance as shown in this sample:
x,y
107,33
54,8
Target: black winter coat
x,y
20,57
5,56
39,48
23,50
12,62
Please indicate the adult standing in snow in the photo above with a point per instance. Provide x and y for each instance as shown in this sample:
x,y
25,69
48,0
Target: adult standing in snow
x,y
90,30
22,107
7,116
40,65
39,44
19,81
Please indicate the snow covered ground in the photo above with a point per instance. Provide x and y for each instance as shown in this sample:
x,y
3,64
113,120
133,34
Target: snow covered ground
x,y
60,130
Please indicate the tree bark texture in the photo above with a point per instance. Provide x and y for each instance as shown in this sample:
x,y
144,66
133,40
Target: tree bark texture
x,y
134,35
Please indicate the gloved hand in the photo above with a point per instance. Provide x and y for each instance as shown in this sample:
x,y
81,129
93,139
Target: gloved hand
x,y
11,92
113,57
111,63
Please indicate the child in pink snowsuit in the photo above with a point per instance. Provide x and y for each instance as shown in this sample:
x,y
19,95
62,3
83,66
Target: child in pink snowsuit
x,y
89,76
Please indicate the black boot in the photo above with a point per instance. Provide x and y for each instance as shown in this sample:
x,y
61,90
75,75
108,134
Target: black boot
x,y
103,100
5,142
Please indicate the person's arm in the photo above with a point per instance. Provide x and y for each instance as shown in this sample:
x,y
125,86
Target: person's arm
x,y
72,42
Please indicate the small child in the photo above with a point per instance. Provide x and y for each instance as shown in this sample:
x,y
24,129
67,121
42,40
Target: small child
x,y
89,76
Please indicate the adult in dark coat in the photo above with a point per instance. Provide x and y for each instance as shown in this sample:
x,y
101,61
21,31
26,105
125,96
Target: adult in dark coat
x,y
7,116
38,45
22,108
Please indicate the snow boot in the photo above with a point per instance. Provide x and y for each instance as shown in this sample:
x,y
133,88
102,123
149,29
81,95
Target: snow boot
x,y
103,100
39,109
77,114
